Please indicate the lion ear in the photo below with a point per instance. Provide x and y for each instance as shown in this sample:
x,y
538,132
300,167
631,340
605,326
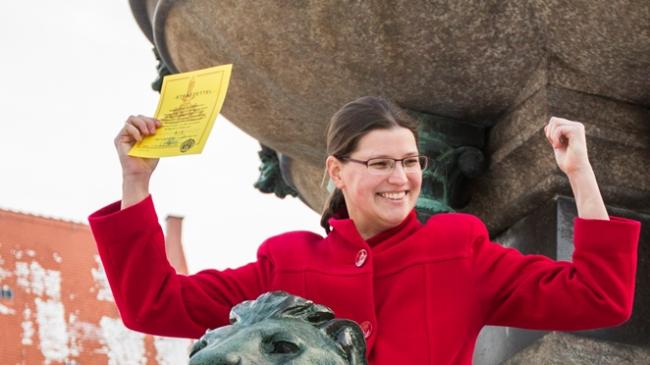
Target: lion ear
x,y
350,337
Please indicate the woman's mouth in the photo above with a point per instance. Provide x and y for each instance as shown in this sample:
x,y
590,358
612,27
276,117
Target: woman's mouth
x,y
393,195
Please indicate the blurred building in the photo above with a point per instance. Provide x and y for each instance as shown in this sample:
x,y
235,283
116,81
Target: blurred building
x,y
56,306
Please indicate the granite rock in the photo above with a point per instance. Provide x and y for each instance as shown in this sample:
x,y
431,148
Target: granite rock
x,y
296,63
560,349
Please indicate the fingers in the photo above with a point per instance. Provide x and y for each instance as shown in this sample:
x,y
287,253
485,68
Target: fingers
x,y
137,127
133,132
145,125
560,132
561,135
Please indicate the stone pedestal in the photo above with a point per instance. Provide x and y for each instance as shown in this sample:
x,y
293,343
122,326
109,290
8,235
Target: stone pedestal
x,y
504,67
561,349
523,174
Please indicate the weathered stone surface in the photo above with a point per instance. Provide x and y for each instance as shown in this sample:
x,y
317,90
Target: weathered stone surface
x,y
296,63
449,57
144,11
308,178
464,59
561,349
598,47
523,173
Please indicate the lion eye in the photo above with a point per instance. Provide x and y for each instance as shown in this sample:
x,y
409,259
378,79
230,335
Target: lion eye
x,y
284,347
198,346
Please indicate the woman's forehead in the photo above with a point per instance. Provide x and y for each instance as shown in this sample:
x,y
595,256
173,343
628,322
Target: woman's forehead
x,y
394,142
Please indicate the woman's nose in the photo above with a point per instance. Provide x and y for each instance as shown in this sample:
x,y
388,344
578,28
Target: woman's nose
x,y
398,175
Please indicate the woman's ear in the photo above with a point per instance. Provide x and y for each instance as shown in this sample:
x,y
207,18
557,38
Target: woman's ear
x,y
333,166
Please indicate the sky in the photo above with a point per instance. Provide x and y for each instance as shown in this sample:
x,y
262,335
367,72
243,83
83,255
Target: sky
x,y
73,71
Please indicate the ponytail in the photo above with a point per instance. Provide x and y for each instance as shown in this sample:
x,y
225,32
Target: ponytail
x,y
334,208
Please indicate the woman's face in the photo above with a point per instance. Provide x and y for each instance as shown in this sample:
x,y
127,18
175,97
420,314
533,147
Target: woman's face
x,y
378,202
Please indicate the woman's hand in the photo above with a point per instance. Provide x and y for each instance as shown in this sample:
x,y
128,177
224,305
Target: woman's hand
x,y
570,148
136,171
569,144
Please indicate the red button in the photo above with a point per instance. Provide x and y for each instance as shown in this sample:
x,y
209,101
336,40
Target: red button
x,y
362,255
366,327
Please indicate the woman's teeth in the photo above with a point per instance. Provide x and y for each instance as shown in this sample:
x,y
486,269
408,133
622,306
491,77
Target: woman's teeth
x,y
393,196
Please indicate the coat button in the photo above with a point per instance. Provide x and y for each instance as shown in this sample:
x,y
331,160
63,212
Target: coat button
x,y
362,255
366,327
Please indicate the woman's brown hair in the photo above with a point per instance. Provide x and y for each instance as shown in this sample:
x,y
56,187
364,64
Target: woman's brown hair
x,y
347,126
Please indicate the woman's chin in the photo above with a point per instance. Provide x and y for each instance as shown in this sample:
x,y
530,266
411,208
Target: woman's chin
x,y
395,216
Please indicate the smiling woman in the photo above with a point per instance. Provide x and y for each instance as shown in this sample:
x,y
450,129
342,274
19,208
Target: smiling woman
x,y
380,194
419,292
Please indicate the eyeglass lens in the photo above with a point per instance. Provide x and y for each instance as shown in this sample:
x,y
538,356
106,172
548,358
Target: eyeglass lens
x,y
386,165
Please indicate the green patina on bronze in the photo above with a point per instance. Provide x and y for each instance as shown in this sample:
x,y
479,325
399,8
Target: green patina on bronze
x,y
454,150
279,328
271,180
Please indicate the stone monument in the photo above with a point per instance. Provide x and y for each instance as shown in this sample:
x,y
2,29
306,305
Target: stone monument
x,y
482,77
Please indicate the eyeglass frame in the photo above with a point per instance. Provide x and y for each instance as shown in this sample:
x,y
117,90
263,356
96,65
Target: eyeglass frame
x,y
424,158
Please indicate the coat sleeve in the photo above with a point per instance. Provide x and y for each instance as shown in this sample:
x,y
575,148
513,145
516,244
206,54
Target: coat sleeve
x,y
595,290
150,295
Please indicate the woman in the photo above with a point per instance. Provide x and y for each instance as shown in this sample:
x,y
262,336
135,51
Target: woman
x,y
420,292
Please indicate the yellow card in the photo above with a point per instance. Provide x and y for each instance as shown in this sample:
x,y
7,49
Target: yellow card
x,y
189,104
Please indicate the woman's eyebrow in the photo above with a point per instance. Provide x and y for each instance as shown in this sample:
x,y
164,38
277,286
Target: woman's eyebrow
x,y
408,154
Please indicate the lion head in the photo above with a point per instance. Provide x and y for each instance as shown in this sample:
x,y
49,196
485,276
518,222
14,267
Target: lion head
x,y
279,328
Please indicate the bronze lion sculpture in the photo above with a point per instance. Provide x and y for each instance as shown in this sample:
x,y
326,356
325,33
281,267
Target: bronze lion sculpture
x,y
279,328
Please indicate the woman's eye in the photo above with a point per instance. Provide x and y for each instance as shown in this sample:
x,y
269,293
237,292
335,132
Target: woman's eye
x,y
284,347
379,164
411,162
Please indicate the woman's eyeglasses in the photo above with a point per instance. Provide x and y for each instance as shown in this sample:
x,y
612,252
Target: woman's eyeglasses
x,y
385,166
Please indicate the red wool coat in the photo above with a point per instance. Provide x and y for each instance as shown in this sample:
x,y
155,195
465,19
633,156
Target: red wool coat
x,y
420,292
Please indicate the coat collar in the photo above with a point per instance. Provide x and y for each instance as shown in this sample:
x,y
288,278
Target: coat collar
x,y
348,230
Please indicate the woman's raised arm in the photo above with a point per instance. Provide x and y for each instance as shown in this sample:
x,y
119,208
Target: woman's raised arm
x,y
136,171
570,147
595,290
